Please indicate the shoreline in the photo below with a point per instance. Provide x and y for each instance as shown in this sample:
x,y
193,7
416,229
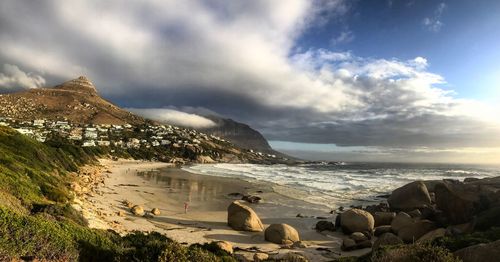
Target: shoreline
x,y
140,183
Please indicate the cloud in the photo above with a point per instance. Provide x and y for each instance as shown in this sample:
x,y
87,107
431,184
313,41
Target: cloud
x,y
13,78
343,38
174,117
241,59
433,23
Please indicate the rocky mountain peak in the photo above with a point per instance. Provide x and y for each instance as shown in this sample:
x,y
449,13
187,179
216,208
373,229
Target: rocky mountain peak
x,y
81,84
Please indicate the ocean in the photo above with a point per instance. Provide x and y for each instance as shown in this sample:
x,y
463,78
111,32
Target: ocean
x,y
341,184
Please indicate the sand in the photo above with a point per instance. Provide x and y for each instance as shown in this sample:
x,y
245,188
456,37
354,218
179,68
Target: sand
x,y
141,183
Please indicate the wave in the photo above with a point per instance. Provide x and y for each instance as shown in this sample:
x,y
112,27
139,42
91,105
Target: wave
x,y
333,184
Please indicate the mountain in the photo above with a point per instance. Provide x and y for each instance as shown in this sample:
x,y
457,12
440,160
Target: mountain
x,y
76,101
239,134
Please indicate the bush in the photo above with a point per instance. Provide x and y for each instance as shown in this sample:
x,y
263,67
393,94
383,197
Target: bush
x,y
462,241
413,253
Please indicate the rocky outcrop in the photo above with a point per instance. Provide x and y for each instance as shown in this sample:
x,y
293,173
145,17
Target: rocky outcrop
x,y
480,252
409,197
400,221
416,230
430,236
241,217
281,234
356,220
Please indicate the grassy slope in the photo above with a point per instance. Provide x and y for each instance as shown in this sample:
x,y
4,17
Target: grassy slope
x,y
37,221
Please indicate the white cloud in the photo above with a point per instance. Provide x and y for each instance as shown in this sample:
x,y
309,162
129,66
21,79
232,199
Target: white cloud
x,y
14,78
174,117
433,23
343,38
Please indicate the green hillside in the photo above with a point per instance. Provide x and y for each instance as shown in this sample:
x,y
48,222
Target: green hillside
x,y
36,220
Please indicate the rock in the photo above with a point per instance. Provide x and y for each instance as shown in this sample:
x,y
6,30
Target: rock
x,y
383,218
325,225
289,257
415,213
480,252
127,203
489,218
409,197
235,195
356,220
348,244
281,234
251,199
382,230
137,210
358,237
226,246
120,213
400,221
431,235
258,257
155,211
364,244
457,201
299,244
242,257
148,215
387,239
414,231
460,229
241,217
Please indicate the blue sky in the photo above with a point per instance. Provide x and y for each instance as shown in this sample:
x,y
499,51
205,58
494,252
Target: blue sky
x,y
464,48
373,80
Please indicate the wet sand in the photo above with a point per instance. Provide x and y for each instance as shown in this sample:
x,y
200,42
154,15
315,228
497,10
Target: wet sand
x,y
159,185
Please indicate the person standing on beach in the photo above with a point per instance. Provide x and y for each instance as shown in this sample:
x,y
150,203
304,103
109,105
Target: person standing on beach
x,y
186,206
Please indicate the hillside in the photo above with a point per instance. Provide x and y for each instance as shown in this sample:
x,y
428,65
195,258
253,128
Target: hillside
x,y
76,101
37,221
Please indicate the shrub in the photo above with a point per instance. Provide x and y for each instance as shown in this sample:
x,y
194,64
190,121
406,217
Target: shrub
x,y
413,253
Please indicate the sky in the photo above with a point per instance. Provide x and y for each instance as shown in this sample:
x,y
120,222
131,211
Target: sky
x,y
372,80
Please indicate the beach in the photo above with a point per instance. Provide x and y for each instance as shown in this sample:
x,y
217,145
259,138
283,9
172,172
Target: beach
x,y
141,183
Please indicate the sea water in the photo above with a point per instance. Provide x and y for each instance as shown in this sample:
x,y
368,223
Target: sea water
x,y
341,184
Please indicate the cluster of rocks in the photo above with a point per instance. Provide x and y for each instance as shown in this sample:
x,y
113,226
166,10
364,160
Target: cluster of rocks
x,y
243,218
422,211
138,210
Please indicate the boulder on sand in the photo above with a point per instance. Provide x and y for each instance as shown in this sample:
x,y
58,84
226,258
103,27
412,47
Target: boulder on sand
x,y
241,217
137,210
281,234
409,197
356,220
155,211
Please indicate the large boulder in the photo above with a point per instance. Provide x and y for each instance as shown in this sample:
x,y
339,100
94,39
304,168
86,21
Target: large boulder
x,y
414,231
409,197
431,235
382,229
458,201
400,221
243,218
356,220
480,252
383,218
226,246
489,218
281,234
387,239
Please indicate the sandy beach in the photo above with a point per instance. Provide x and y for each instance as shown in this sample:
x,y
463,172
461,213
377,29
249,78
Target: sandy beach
x,y
162,186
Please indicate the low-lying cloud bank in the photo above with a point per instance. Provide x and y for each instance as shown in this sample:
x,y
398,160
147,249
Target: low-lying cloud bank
x,y
242,60
174,117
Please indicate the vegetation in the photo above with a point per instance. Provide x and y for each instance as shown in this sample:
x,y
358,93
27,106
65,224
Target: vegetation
x,y
36,220
413,253
461,241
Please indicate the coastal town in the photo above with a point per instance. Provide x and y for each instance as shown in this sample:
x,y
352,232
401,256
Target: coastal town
x,y
128,137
